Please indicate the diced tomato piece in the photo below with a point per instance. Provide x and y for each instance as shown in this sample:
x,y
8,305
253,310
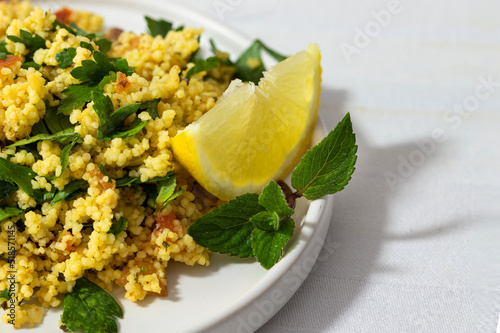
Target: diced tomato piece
x,y
122,82
11,59
63,15
165,221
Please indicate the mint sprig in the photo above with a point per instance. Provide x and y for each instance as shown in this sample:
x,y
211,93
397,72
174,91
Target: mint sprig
x,y
261,225
327,167
89,307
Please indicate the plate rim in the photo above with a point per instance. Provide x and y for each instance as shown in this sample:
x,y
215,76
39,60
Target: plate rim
x,y
226,318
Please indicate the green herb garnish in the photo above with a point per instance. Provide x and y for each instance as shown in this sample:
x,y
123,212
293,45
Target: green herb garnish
x,y
202,66
32,42
6,188
129,181
8,212
68,190
118,226
3,50
260,225
5,294
166,191
111,121
158,27
93,71
18,174
65,58
79,94
250,66
89,307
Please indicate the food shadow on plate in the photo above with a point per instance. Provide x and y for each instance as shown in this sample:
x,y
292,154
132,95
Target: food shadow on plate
x,y
357,232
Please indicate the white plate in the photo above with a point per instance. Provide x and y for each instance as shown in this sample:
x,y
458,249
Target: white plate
x,y
232,295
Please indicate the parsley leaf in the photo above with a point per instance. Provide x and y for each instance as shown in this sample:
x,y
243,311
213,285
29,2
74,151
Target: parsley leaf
x,y
5,294
54,121
79,94
250,66
158,27
28,64
89,307
118,226
167,192
151,107
202,66
32,42
6,188
8,212
18,174
3,50
129,181
64,136
65,153
327,167
111,120
65,58
228,229
268,245
92,72
103,44
69,189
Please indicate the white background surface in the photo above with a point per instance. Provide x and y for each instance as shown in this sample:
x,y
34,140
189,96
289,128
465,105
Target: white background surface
x,y
420,255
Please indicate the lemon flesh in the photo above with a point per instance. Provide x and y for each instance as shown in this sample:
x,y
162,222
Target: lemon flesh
x,y
254,133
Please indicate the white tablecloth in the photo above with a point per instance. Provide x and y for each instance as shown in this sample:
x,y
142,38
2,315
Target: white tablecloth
x,y
414,240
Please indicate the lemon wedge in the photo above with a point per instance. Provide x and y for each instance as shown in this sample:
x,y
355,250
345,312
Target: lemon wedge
x,y
254,133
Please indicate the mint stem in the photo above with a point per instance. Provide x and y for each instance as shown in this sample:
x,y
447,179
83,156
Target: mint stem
x,y
289,195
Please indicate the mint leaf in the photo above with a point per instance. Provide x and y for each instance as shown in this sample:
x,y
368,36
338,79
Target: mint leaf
x,y
89,307
118,226
228,229
158,27
268,245
266,220
6,188
273,200
69,189
203,65
5,294
8,212
328,166
249,66
65,58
